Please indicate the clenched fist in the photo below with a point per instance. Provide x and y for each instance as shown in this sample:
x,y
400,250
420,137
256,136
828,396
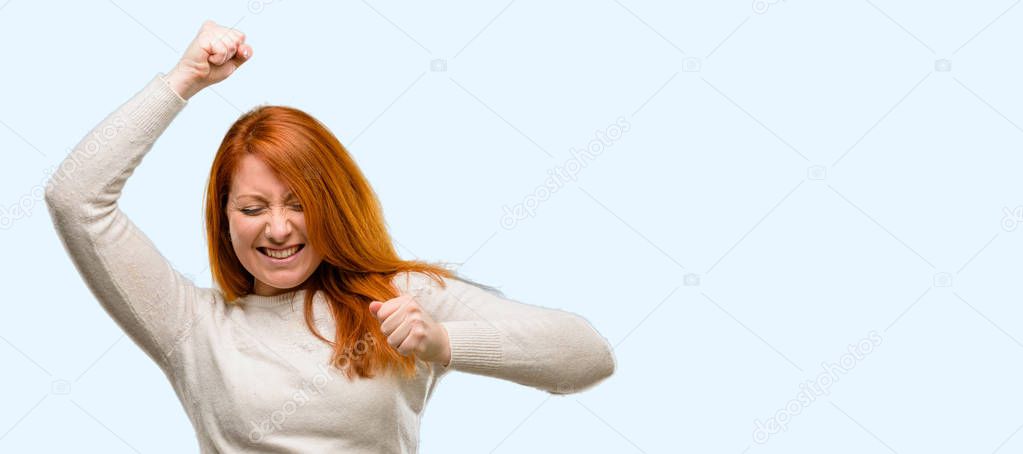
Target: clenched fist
x,y
411,330
214,54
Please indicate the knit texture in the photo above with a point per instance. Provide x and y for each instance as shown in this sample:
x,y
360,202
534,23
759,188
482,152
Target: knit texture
x,y
249,373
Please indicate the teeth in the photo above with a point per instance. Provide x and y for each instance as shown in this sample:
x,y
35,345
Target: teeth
x,y
281,254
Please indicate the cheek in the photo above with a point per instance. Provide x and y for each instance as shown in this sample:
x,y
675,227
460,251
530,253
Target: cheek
x,y
300,227
233,233
243,232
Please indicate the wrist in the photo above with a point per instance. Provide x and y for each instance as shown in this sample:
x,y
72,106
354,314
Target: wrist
x,y
445,353
182,83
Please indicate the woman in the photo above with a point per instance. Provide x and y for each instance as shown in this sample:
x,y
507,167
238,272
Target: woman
x,y
316,337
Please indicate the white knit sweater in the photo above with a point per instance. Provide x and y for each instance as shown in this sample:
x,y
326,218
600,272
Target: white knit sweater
x,y
249,374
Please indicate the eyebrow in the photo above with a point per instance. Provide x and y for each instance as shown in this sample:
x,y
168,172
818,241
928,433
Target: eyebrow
x,y
288,196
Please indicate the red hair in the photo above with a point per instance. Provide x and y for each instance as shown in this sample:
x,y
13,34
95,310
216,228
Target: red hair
x,y
344,222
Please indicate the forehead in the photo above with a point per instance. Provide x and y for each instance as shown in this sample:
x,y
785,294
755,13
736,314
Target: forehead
x,y
253,179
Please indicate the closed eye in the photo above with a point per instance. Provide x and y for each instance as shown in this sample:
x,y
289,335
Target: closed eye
x,y
255,211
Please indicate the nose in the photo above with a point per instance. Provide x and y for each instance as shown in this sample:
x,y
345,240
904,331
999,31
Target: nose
x,y
279,225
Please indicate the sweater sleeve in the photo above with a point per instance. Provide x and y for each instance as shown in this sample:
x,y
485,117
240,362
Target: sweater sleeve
x,y
151,301
552,350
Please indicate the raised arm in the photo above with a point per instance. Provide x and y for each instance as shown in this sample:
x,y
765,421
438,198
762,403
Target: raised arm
x,y
152,302
488,334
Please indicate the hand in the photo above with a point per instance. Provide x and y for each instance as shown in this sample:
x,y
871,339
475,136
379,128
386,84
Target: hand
x,y
410,329
214,54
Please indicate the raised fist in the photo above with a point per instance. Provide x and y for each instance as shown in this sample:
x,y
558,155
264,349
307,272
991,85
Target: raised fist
x,y
214,54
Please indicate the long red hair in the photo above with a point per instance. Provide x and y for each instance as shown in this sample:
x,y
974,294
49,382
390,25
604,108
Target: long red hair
x,y
344,222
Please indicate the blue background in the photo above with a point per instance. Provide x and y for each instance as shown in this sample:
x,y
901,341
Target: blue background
x,y
796,177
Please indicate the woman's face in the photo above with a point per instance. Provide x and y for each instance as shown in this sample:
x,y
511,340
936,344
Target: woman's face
x,y
266,219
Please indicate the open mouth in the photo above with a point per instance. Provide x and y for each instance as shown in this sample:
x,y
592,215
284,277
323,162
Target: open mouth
x,y
281,254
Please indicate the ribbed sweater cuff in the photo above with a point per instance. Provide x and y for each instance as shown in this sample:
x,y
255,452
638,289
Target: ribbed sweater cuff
x,y
475,346
153,112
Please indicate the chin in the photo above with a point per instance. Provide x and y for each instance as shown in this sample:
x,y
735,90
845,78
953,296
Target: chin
x,y
283,285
